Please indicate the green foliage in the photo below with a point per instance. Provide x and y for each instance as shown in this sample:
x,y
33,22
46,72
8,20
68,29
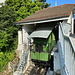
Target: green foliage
x,y
8,29
24,8
40,0
10,12
8,34
5,58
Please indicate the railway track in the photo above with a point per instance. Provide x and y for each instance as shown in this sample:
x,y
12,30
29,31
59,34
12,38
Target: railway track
x,y
35,70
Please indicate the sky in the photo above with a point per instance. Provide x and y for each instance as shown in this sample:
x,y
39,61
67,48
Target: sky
x,y
2,1
60,2
55,2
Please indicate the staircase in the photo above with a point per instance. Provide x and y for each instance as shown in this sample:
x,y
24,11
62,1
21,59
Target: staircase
x,y
22,62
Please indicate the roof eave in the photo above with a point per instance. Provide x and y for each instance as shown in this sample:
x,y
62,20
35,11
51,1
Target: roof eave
x,y
43,20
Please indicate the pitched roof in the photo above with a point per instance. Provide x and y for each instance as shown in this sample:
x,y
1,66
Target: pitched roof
x,y
49,13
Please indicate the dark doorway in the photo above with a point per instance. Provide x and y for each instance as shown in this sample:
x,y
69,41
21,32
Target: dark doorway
x,y
55,31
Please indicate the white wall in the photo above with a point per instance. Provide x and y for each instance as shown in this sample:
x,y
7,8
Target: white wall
x,y
70,18
25,35
56,62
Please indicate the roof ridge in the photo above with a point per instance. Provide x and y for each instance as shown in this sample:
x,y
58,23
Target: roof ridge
x,y
69,4
53,7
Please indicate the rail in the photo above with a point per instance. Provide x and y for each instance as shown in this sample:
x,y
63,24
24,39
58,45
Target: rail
x,y
35,70
22,63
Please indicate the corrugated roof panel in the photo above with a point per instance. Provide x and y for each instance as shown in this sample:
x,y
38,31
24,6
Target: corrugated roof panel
x,y
41,33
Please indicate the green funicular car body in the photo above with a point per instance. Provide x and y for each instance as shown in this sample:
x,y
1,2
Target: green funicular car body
x,y
43,42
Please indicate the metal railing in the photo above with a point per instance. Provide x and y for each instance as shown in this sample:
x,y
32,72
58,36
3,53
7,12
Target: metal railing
x,y
22,63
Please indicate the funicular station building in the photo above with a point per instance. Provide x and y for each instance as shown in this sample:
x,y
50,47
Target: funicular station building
x,y
62,19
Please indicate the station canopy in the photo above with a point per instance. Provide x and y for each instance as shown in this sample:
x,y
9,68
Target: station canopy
x,y
41,33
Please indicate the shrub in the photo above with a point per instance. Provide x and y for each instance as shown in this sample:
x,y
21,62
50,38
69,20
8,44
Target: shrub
x,y
5,58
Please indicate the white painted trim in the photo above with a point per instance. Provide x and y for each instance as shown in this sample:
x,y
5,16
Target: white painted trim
x,y
70,18
44,21
72,25
20,39
25,35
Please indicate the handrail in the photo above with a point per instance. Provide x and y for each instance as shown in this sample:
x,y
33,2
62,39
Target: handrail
x,y
22,63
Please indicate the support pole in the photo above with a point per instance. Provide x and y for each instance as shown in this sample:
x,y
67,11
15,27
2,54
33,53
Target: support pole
x,y
70,19
20,40
25,35
25,38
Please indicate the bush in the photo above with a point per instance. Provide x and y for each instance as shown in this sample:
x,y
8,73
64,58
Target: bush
x,y
5,58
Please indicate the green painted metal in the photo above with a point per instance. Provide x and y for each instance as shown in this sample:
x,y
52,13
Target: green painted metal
x,y
44,56
40,56
47,43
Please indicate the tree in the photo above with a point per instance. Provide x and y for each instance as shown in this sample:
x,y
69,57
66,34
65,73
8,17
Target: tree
x,y
7,28
8,34
24,8
12,11
41,0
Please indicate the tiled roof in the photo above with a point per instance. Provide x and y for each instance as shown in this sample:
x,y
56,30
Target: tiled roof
x,y
49,13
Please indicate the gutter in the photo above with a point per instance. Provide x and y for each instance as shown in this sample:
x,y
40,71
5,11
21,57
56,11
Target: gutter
x,y
43,21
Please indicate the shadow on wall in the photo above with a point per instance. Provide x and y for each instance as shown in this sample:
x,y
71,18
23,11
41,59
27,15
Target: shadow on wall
x,y
57,72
